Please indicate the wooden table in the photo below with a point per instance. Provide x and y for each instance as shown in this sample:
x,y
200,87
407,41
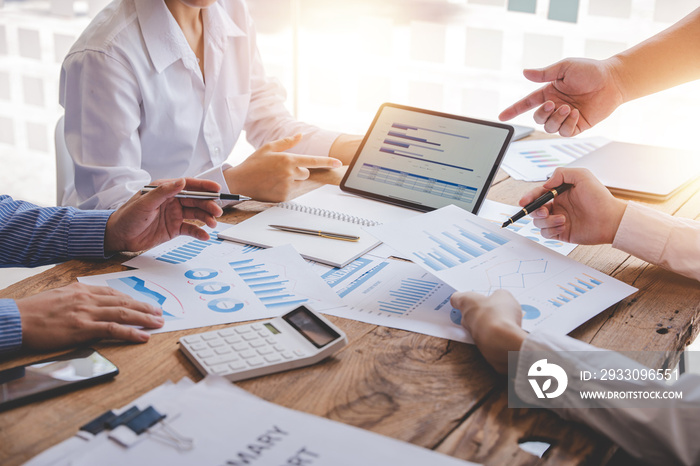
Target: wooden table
x,y
435,393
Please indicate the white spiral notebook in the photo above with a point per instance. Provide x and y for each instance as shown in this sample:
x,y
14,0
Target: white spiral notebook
x,y
328,209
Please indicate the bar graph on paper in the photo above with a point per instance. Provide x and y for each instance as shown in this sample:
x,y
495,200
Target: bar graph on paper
x,y
397,294
574,289
469,253
458,245
185,249
407,295
270,288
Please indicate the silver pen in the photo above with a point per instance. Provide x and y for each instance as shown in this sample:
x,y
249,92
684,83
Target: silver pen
x,y
202,195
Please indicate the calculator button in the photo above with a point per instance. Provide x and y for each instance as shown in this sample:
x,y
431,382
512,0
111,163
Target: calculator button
x,y
233,339
278,348
243,329
271,341
215,361
299,353
227,332
264,334
272,358
192,339
264,351
205,354
216,343
256,327
246,354
210,336
222,369
252,336
198,347
287,355
255,362
224,350
237,366
240,346
257,344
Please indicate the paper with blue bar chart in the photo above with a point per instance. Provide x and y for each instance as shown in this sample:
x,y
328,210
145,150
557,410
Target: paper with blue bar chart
x,y
209,291
473,254
184,249
395,294
536,160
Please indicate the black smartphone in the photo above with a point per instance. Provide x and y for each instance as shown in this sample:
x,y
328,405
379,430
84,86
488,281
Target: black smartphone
x,y
48,377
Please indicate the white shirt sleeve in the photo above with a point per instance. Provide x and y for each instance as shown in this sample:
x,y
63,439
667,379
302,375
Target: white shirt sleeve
x,y
659,435
661,239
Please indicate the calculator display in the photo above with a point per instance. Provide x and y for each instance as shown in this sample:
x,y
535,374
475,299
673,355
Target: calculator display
x,y
311,327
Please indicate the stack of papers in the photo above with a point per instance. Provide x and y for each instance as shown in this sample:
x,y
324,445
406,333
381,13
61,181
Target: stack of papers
x,y
220,423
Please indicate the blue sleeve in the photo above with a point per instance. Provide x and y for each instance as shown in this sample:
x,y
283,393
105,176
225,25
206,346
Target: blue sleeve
x,y
10,326
32,236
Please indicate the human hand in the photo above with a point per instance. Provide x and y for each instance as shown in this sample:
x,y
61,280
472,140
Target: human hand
x,y
270,174
78,313
585,214
579,94
494,323
147,220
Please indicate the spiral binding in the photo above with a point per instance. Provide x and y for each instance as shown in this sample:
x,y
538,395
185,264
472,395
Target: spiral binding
x,y
328,214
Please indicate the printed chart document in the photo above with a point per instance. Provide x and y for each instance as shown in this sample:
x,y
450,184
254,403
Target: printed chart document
x,y
395,294
200,293
536,160
228,426
498,213
473,254
326,208
185,249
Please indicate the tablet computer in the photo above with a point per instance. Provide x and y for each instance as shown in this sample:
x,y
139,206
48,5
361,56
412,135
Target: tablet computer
x,y
425,160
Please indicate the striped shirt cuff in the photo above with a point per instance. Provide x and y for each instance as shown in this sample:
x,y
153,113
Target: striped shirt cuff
x,y
86,236
10,326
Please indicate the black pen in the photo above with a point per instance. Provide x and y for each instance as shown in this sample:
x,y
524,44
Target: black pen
x,y
537,203
202,195
323,234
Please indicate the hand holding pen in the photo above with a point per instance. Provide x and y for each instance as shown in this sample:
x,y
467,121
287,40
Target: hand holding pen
x,y
586,214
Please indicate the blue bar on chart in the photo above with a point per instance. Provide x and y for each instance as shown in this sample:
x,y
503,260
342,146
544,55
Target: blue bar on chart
x,y
429,130
410,294
362,279
457,247
268,287
574,289
336,276
189,250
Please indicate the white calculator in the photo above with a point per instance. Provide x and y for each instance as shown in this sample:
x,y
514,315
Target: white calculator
x,y
297,339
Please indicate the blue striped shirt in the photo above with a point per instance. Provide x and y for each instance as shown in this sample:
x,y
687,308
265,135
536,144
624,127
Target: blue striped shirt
x,y
32,236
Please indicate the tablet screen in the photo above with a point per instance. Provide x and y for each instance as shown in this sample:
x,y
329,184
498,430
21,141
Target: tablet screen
x,y
426,160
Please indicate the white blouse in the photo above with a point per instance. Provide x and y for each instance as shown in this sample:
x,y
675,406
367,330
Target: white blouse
x,y
137,107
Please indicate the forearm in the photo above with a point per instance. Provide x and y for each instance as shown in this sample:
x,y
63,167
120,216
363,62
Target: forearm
x,y
660,239
667,59
32,236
